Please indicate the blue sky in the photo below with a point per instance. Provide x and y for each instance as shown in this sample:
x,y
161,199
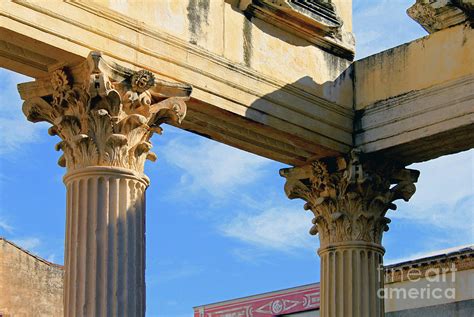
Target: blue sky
x,y
218,223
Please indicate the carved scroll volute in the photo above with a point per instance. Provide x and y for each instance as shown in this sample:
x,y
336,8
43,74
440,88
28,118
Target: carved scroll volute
x,y
349,198
105,114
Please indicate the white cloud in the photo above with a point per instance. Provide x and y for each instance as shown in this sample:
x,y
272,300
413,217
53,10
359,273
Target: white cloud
x,y
213,167
224,172
445,180
4,226
173,270
456,216
445,194
15,132
251,255
51,258
29,243
280,228
14,128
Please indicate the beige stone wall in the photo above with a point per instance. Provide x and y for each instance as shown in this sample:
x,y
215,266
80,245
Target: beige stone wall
x,y
29,286
221,28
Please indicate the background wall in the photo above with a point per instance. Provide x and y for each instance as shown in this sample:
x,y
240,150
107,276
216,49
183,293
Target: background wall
x,y
29,286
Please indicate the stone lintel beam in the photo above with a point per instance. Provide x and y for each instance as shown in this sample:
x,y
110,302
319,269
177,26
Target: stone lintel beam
x,y
349,197
415,101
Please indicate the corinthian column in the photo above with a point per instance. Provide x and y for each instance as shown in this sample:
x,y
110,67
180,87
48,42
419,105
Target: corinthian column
x,y
349,199
105,115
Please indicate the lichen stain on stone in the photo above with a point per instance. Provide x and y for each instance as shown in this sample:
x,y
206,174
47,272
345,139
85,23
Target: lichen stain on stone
x,y
247,33
334,64
198,13
464,34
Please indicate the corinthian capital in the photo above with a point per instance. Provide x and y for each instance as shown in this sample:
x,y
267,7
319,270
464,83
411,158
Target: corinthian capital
x,y
105,114
348,197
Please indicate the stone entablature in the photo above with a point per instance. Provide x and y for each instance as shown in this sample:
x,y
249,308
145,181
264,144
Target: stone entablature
x,y
282,113
262,109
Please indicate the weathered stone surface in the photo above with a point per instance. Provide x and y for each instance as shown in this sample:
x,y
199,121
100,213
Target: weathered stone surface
x,y
308,101
415,101
313,20
260,85
349,198
456,309
243,96
29,285
104,114
447,279
105,243
437,15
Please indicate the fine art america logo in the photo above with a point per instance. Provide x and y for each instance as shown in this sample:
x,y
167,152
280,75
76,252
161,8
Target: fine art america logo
x,y
433,283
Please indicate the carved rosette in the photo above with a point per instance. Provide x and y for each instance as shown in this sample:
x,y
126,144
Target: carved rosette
x,y
349,198
106,114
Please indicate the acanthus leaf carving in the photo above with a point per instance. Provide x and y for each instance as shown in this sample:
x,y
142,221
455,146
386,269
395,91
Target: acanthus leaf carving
x,y
106,114
349,198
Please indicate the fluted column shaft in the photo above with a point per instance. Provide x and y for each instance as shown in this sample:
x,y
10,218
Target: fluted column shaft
x,y
105,243
351,277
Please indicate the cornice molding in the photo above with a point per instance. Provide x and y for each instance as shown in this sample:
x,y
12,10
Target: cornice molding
x,y
436,15
313,20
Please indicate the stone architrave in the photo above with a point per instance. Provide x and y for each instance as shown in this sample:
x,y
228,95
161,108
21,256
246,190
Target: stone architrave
x,y
349,199
105,115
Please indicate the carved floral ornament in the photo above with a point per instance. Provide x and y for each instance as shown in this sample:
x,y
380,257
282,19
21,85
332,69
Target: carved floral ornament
x,y
107,114
349,198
